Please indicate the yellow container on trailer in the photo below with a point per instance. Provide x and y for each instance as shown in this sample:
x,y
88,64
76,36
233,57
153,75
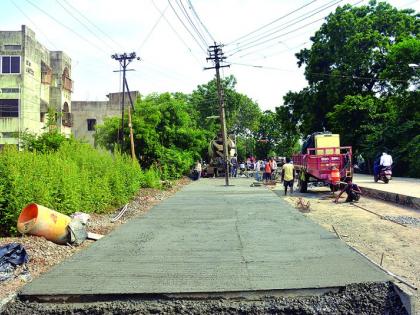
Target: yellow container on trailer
x,y
41,221
327,141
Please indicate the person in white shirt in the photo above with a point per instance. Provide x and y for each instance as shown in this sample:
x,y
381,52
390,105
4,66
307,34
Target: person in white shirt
x,y
386,160
257,170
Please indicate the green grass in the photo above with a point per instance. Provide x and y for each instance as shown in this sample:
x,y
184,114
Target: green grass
x,y
75,177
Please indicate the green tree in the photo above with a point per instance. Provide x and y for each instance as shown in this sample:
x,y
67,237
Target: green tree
x,y
165,134
242,113
360,82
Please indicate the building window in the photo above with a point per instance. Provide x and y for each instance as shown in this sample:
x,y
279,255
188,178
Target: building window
x,y
91,123
9,90
9,108
12,47
10,64
42,117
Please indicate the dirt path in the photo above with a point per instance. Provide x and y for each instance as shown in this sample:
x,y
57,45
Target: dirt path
x,y
367,232
43,254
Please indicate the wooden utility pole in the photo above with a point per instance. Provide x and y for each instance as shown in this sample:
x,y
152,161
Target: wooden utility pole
x,y
216,54
124,60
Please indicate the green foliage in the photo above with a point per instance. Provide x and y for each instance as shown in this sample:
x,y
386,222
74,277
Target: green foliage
x,y
165,131
274,136
360,84
48,141
75,177
242,113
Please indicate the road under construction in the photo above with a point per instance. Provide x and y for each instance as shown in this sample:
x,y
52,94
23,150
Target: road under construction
x,y
213,248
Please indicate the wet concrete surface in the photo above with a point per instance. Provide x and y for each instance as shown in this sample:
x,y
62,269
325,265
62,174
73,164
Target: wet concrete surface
x,y
211,238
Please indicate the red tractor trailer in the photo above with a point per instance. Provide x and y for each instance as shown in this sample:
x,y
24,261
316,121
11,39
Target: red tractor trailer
x,y
322,159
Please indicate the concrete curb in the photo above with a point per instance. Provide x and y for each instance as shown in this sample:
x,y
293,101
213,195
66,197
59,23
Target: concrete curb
x,y
7,300
406,298
408,201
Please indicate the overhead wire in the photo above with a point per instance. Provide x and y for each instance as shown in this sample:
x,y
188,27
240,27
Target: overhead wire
x,y
64,25
176,33
185,13
289,23
93,24
153,28
199,20
257,41
188,30
319,74
35,25
275,53
84,25
272,22
278,36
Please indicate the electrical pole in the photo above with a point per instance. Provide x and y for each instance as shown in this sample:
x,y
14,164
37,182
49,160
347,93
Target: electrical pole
x,y
125,59
216,54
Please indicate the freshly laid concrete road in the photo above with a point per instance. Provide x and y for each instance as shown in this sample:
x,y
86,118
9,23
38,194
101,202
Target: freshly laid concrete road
x,y
211,238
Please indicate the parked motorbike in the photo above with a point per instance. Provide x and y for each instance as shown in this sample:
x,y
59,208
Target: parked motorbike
x,y
385,175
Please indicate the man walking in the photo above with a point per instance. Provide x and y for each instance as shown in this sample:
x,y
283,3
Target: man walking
x,y
288,176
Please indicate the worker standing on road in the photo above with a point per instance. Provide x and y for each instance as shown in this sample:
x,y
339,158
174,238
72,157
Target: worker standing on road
x,y
273,164
267,171
197,170
288,176
353,191
257,170
234,163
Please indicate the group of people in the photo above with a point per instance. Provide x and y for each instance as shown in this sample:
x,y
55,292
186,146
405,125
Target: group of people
x,y
266,167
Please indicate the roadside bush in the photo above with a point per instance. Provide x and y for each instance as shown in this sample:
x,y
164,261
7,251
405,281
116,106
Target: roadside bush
x,y
73,177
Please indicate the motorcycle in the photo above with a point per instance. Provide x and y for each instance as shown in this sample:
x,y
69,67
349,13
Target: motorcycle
x,y
385,175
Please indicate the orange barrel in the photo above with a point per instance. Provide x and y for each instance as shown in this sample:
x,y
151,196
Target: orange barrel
x,y
335,176
41,221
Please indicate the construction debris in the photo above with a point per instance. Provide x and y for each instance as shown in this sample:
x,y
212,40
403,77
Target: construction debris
x,y
94,236
11,256
303,206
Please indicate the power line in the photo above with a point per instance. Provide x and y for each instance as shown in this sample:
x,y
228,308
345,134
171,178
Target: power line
x,y
272,22
199,20
275,53
280,28
83,24
153,28
279,36
188,30
185,13
91,23
287,24
176,33
63,25
30,20
320,74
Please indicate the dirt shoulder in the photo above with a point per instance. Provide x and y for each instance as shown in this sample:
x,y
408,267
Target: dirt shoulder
x,y
398,246
43,254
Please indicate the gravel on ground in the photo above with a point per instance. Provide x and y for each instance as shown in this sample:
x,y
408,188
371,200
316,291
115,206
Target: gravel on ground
x,y
368,298
377,236
43,254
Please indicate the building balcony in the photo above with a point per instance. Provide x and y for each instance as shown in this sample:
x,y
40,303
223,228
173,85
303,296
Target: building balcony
x,y
67,84
67,119
46,78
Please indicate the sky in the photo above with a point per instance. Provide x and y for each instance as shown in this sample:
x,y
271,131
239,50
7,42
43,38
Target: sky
x,y
173,55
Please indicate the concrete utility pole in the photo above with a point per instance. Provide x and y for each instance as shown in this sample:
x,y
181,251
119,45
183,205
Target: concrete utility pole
x,y
216,54
125,60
